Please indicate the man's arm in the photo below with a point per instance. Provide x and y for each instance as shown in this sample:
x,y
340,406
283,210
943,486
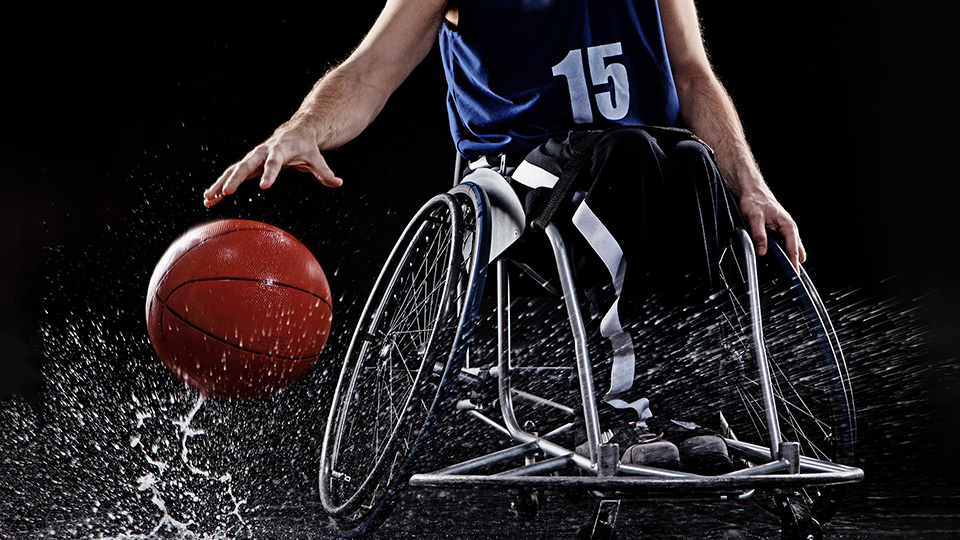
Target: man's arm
x,y
708,110
344,102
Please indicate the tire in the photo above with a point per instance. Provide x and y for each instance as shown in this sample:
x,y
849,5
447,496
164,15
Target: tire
x,y
405,353
810,382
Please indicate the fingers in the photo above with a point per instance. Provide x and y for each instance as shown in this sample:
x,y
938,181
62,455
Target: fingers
x,y
266,161
248,168
327,178
758,231
782,224
317,166
228,182
793,246
213,193
271,168
765,213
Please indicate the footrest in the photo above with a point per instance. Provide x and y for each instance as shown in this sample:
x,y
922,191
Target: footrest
x,y
640,484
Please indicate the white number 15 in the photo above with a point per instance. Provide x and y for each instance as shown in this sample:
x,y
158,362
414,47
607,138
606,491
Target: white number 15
x,y
613,104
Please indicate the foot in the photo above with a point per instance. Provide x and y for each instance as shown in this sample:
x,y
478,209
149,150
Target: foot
x,y
642,447
652,450
661,454
705,454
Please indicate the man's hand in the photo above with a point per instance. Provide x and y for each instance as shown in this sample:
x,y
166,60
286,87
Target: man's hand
x,y
292,145
762,211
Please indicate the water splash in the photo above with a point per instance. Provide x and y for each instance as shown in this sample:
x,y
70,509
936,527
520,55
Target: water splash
x,y
191,491
186,432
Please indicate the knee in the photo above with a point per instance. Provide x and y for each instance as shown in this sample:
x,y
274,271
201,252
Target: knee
x,y
634,144
691,155
692,165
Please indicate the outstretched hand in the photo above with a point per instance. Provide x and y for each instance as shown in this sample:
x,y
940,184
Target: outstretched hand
x,y
762,211
292,145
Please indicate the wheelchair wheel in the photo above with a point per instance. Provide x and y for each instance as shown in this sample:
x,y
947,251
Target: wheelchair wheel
x,y
811,387
407,349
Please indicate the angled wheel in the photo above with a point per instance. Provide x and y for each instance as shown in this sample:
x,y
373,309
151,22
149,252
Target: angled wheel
x,y
407,349
811,387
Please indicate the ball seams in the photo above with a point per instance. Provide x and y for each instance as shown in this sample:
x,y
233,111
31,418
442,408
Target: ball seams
x,y
255,280
164,307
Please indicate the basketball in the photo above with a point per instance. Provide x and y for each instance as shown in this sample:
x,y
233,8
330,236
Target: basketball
x,y
238,309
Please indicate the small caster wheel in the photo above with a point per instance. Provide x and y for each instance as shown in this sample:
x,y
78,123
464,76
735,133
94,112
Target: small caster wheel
x,y
795,519
526,505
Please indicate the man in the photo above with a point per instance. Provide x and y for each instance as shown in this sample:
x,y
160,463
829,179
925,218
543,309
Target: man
x,y
531,79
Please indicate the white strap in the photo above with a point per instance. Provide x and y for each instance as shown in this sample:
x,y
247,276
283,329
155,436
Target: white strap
x,y
624,361
534,177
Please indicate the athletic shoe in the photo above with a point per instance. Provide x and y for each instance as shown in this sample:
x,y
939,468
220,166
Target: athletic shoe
x,y
643,447
652,450
705,454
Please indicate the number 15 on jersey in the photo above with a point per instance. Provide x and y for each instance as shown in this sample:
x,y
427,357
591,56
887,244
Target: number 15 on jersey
x,y
612,104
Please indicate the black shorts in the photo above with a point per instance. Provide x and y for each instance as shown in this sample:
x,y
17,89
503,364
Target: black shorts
x,y
656,191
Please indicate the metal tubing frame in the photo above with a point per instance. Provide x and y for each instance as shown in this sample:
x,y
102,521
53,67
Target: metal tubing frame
x,y
771,471
543,401
807,464
763,367
491,459
635,484
584,368
503,352
585,464
540,467
636,479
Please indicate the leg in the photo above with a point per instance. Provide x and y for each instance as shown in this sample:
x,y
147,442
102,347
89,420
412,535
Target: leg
x,y
614,218
661,205
630,210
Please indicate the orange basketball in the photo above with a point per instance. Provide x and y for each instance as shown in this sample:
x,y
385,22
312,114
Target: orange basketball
x,y
238,309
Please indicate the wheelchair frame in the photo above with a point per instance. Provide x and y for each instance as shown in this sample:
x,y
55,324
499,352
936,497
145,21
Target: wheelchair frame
x,y
778,466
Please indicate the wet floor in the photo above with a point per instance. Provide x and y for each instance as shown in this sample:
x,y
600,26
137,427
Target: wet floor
x,y
448,516
119,449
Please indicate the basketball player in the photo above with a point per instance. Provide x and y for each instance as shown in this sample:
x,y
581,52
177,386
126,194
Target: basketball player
x,y
552,85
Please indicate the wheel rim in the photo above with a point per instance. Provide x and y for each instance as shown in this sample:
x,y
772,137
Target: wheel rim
x,y
390,376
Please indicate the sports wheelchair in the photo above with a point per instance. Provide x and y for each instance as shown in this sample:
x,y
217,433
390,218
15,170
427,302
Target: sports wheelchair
x,y
785,406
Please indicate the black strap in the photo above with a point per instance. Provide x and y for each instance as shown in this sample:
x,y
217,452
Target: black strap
x,y
571,171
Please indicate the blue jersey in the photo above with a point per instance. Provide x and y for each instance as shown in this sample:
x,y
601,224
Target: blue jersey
x,y
522,71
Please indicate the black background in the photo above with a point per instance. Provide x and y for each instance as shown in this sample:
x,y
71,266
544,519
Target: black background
x,y
850,111
115,120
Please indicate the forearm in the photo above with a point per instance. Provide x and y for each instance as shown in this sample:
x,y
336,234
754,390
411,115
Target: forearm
x,y
709,112
344,102
339,107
